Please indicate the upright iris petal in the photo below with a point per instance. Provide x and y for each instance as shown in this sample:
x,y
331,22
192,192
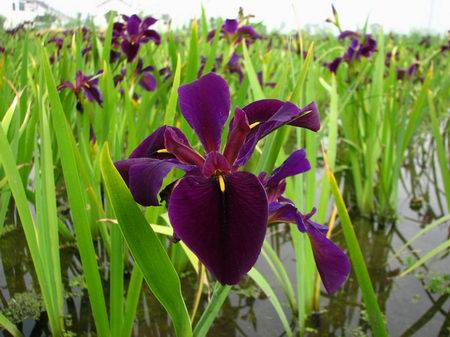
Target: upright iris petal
x,y
205,105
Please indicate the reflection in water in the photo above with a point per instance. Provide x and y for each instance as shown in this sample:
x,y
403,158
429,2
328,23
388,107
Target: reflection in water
x,y
412,309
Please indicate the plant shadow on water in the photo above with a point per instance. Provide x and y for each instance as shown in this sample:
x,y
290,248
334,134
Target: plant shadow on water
x,y
414,305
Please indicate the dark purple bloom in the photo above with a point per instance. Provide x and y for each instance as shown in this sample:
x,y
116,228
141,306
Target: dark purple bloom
x,y
221,213
145,77
2,50
133,33
232,30
234,66
359,47
86,84
59,42
332,263
409,73
333,65
348,34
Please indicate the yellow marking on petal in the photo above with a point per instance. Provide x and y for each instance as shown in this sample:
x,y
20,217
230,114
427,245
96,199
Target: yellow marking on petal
x,y
254,124
162,151
221,184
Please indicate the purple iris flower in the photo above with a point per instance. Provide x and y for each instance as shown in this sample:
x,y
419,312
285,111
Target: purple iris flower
x,y
86,84
135,32
59,42
409,73
231,29
233,65
359,47
332,263
142,74
218,211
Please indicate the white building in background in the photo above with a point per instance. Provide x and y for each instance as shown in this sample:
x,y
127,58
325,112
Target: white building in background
x,y
127,7
19,11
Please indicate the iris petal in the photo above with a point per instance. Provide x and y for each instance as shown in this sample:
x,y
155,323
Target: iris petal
x,y
270,115
224,229
239,129
145,176
248,32
181,150
295,164
332,263
133,24
147,81
150,146
230,26
130,49
205,103
214,162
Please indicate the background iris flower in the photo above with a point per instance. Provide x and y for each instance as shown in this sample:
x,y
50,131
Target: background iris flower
x,y
220,212
86,84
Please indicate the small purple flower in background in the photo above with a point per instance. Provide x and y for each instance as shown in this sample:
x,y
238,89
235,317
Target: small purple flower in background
x,y
233,65
57,41
166,72
232,30
360,46
88,85
2,50
332,263
146,80
133,33
142,74
219,212
409,73
86,51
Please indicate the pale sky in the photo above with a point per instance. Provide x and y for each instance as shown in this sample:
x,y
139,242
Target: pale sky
x,y
394,15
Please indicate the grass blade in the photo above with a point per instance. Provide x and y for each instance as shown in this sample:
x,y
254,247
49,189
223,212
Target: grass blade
x,y
146,248
220,293
376,320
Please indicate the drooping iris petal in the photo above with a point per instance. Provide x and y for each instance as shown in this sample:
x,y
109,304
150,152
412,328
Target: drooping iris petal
x,y
150,146
214,162
248,31
296,163
153,35
224,229
181,150
332,263
286,212
205,104
230,26
144,177
270,119
147,81
238,131
93,93
130,49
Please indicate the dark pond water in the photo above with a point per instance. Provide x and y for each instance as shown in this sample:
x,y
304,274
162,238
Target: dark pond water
x,y
415,305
